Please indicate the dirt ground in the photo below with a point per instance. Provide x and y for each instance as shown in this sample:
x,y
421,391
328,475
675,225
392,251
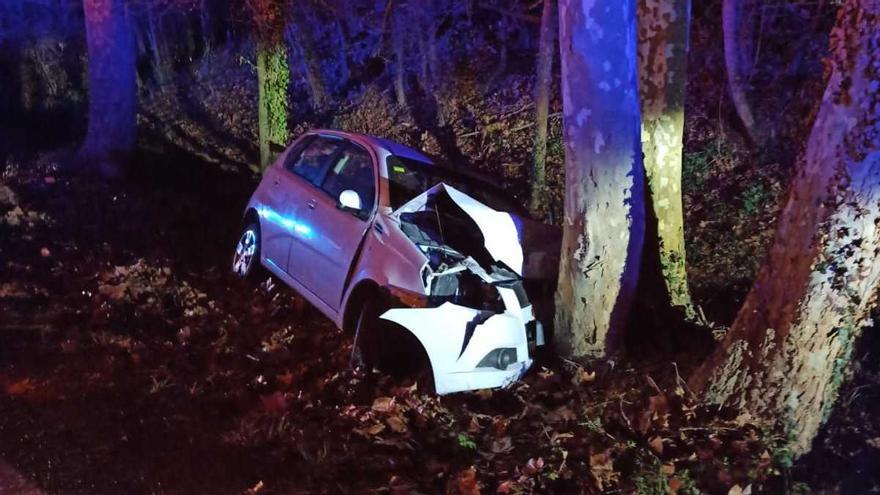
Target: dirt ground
x,y
131,361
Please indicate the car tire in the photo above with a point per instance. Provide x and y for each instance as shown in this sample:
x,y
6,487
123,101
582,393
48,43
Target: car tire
x,y
246,258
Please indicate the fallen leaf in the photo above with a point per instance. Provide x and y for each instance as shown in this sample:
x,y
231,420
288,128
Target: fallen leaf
x,y
502,445
602,469
383,404
582,376
397,424
371,431
464,483
667,469
656,444
21,387
114,292
285,379
505,487
673,486
274,403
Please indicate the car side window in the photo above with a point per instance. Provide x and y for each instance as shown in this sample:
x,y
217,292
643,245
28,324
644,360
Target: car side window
x,y
310,163
352,169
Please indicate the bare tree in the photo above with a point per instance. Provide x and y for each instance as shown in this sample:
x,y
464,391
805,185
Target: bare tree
x,y
737,50
789,349
546,49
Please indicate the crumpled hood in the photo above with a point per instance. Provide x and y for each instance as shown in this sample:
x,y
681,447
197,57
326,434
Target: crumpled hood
x,y
500,235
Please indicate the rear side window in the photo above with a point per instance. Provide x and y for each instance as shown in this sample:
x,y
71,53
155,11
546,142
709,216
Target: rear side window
x,y
352,169
314,157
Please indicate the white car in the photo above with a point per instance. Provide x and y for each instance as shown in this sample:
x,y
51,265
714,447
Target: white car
x,y
376,235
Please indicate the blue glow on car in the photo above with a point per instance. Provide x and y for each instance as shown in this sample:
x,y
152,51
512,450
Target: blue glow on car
x,y
288,223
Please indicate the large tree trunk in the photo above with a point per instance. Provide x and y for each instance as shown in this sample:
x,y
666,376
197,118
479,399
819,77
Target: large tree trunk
x,y
273,76
663,48
546,45
737,53
112,125
788,351
604,221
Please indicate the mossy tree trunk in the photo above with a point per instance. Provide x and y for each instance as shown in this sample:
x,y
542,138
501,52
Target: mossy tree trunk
x,y
663,47
546,49
788,351
604,223
273,76
112,120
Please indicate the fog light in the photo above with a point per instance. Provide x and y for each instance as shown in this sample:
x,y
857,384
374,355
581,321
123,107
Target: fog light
x,y
499,358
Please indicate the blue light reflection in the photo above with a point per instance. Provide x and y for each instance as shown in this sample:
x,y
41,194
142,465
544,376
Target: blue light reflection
x,y
288,223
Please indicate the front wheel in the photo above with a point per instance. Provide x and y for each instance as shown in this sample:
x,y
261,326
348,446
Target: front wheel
x,y
247,251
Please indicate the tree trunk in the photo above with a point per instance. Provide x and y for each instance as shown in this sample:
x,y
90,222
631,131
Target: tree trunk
x,y
158,65
273,76
399,62
112,122
537,200
663,48
735,44
604,223
313,64
788,351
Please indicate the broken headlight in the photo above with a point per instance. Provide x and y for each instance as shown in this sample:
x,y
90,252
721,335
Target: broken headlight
x,y
474,292
499,358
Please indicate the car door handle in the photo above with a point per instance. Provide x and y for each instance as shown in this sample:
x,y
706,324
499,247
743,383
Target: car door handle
x,y
311,204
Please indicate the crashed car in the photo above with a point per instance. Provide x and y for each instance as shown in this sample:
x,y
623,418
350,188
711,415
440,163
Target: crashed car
x,y
372,232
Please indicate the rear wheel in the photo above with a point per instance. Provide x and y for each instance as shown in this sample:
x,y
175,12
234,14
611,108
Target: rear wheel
x,y
246,259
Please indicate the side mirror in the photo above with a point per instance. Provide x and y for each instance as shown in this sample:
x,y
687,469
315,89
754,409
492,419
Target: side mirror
x,y
350,200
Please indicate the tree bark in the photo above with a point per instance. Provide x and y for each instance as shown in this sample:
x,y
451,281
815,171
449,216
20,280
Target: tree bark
x,y
314,76
537,200
736,42
788,351
604,223
273,76
399,62
663,48
112,119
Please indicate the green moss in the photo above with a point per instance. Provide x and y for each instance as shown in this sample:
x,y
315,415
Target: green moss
x,y
273,76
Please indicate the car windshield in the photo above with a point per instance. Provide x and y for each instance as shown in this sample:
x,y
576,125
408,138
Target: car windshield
x,y
408,178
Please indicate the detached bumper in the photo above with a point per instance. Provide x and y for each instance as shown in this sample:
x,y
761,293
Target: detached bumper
x,y
457,339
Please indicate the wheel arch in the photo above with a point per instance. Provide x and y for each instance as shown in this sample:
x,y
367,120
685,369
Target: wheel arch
x,y
363,290
250,215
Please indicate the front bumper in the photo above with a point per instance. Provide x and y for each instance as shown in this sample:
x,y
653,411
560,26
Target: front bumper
x,y
458,338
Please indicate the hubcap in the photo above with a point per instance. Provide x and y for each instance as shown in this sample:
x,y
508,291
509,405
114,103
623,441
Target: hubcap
x,y
244,253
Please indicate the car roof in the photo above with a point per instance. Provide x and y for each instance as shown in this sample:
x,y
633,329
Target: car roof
x,y
387,145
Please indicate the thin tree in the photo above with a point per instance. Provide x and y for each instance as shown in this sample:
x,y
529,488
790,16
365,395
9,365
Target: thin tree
x,y
737,44
604,223
790,347
112,117
663,48
546,49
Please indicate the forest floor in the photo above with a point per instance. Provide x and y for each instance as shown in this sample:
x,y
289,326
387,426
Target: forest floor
x,y
131,361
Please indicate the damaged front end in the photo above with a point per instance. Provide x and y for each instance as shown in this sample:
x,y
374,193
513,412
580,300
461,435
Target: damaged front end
x,y
474,319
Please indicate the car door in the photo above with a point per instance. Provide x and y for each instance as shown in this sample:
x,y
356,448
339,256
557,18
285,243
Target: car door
x,y
276,207
322,261
294,181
